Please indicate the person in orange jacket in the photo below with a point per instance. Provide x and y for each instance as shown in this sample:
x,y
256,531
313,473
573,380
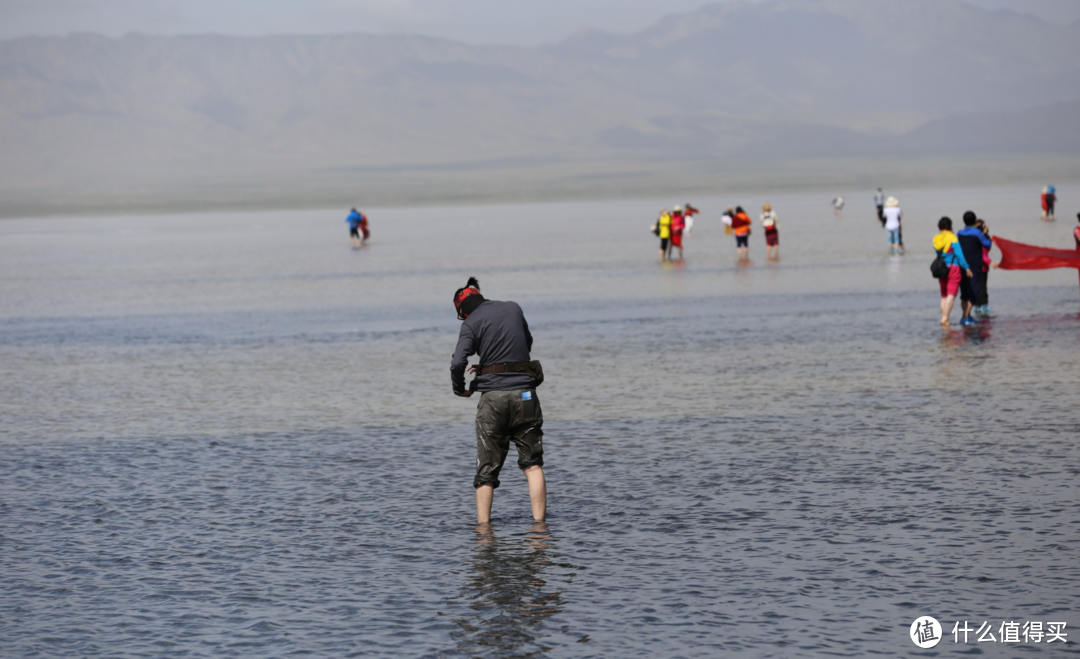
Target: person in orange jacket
x,y
740,225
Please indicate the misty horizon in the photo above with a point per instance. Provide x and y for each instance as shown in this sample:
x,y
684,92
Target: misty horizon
x,y
92,120
479,22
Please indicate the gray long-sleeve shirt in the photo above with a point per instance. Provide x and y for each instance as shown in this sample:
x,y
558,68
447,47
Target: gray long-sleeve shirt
x,y
496,331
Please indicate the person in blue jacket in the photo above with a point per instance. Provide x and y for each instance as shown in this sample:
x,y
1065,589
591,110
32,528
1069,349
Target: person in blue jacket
x,y
972,240
355,220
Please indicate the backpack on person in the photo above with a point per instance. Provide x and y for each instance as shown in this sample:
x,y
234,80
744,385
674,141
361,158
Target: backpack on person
x,y
938,268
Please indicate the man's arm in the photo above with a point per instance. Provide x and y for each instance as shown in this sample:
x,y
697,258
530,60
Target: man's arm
x,y
466,347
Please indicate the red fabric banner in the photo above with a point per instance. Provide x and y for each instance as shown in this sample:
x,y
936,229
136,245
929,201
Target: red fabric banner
x,y
1018,256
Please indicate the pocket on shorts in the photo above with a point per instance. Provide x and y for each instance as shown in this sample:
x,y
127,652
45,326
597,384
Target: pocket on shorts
x,y
528,404
530,408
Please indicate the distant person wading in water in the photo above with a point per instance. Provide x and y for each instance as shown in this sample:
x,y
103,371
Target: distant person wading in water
x,y
663,229
688,213
678,224
772,232
982,300
740,224
1049,199
1076,233
357,222
727,218
974,243
893,215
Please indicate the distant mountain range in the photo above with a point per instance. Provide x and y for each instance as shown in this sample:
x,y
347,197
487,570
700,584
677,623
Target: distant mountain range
x,y
809,78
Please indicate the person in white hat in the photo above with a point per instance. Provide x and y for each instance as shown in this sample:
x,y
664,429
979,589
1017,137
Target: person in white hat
x,y
893,214
772,233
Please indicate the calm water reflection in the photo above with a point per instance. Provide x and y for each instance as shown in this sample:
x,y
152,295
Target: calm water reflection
x,y
510,594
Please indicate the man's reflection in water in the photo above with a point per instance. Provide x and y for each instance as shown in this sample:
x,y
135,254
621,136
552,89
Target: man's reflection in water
x,y
959,351
953,341
509,595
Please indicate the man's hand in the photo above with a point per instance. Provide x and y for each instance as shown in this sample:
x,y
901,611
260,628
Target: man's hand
x,y
970,276
464,394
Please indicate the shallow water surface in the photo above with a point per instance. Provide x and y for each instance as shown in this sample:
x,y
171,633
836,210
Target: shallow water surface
x,y
232,436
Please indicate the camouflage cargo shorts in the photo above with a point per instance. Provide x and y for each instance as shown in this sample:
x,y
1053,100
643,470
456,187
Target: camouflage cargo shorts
x,y
503,417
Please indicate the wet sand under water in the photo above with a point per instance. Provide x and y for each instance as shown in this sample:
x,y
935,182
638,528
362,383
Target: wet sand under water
x,y
233,436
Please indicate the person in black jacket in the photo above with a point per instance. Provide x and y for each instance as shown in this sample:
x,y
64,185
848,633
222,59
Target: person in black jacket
x,y
972,241
509,410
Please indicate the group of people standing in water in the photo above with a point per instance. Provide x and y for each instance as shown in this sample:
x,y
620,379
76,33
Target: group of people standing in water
x,y
966,254
670,228
358,228
737,221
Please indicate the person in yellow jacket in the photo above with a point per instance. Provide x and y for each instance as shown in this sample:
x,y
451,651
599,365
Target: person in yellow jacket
x,y
947,245
664,225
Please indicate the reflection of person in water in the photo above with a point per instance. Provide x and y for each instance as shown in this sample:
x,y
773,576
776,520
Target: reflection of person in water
x,y
509,593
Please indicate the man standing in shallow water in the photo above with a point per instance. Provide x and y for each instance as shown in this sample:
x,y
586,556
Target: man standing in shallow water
x,y
509,410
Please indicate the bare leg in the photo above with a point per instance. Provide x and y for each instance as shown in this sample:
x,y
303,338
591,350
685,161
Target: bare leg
x,y
537,492
484,495
965,308
946,309
662,255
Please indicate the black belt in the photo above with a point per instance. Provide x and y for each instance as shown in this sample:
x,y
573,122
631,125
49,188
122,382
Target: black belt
x,y
509,367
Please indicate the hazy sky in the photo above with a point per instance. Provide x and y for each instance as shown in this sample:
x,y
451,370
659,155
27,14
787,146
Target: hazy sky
x,y
523,22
